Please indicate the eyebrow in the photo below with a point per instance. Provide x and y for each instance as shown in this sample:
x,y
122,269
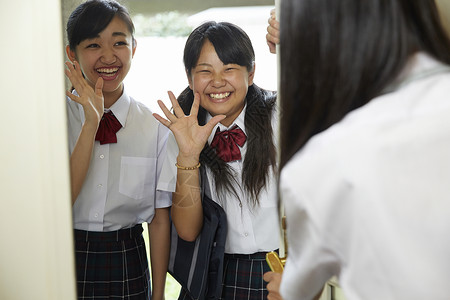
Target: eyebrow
x,y
116,33
119,33
204,65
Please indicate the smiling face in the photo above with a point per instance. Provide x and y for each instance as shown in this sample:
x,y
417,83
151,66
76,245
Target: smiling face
x,y
108,55
222,87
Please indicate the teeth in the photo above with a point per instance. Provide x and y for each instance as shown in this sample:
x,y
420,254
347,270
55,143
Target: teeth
x,y
220,96
107,70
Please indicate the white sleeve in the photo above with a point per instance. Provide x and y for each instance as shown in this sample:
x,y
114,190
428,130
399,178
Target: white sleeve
x,y
311,261
166,170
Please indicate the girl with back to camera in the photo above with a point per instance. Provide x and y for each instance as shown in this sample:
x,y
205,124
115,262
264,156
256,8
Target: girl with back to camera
x,y
224,123
117,155
365,148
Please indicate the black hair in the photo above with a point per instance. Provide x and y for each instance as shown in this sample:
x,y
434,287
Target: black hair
x,y
92,17
233,46
338,55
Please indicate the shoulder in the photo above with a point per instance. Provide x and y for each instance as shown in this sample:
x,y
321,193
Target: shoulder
x,y
142,116
261,96
73,110
140,112
373,139
140,107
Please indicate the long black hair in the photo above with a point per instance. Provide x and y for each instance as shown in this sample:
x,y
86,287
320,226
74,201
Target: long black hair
x,y
92,17
338,55
233,46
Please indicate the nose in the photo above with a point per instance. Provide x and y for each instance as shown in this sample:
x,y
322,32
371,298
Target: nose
x,y
108,56
218,80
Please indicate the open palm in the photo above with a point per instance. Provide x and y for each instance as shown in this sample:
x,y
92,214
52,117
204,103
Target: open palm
x,y
91,99
190,136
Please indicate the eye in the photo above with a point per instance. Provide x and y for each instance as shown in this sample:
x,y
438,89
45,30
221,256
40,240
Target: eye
x,y
93,45
121,43
231,67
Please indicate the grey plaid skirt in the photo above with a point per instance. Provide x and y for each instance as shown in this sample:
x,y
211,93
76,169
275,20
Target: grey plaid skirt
x,y
112,265
243,277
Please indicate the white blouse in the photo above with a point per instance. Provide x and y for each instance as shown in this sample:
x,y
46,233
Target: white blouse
x,y
126,181
368,200
250,229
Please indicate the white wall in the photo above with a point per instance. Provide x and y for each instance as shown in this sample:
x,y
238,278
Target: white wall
x,y
36,252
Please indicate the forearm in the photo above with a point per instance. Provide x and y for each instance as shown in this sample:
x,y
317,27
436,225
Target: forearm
x,y
187,211
159,237
80,158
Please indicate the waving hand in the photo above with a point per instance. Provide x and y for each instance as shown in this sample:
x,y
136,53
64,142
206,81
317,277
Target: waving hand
x,y
93,103
91,99
190,136
187,213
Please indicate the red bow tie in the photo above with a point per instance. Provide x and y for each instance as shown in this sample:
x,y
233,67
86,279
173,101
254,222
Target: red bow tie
x,y
226,143
107,129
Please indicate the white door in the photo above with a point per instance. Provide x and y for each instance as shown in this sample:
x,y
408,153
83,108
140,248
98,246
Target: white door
x,y
36,252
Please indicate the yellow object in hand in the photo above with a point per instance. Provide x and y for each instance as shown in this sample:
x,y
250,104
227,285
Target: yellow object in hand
x,y
275,263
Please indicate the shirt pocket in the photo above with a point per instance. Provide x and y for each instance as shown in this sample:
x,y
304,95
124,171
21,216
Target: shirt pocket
x,y
137,177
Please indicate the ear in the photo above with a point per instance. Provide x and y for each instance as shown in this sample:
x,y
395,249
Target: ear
x,y
71,55
134,47
251,75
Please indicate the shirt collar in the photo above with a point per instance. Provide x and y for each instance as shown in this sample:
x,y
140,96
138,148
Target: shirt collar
x,y
239,121
120,108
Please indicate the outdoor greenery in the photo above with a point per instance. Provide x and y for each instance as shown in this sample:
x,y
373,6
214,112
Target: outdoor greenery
x,y
170,23
189,7
172,288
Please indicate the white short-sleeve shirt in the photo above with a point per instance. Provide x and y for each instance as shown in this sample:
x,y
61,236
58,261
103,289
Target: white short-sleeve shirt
x,y
368,199
127,180
250,229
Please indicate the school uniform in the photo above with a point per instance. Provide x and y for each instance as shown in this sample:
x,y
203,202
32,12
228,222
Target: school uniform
x,y
368,199
125,183
252,230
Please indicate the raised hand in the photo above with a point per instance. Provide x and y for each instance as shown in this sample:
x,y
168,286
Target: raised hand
x,y
273,32
91,99
190,136
93,103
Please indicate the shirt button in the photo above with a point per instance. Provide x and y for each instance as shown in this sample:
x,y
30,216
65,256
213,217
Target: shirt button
x,y
96,215
99,186
102,156
246,234
240,204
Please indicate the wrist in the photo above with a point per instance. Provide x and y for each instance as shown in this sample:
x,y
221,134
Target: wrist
x,y
180,167
157,294
187,161
90,127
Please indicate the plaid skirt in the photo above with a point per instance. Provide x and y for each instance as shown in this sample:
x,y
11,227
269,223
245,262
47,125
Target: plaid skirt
x,y
243,277
112,265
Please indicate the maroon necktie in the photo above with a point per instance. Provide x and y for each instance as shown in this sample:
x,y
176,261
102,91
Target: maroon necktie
x,y
107,129
226,143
